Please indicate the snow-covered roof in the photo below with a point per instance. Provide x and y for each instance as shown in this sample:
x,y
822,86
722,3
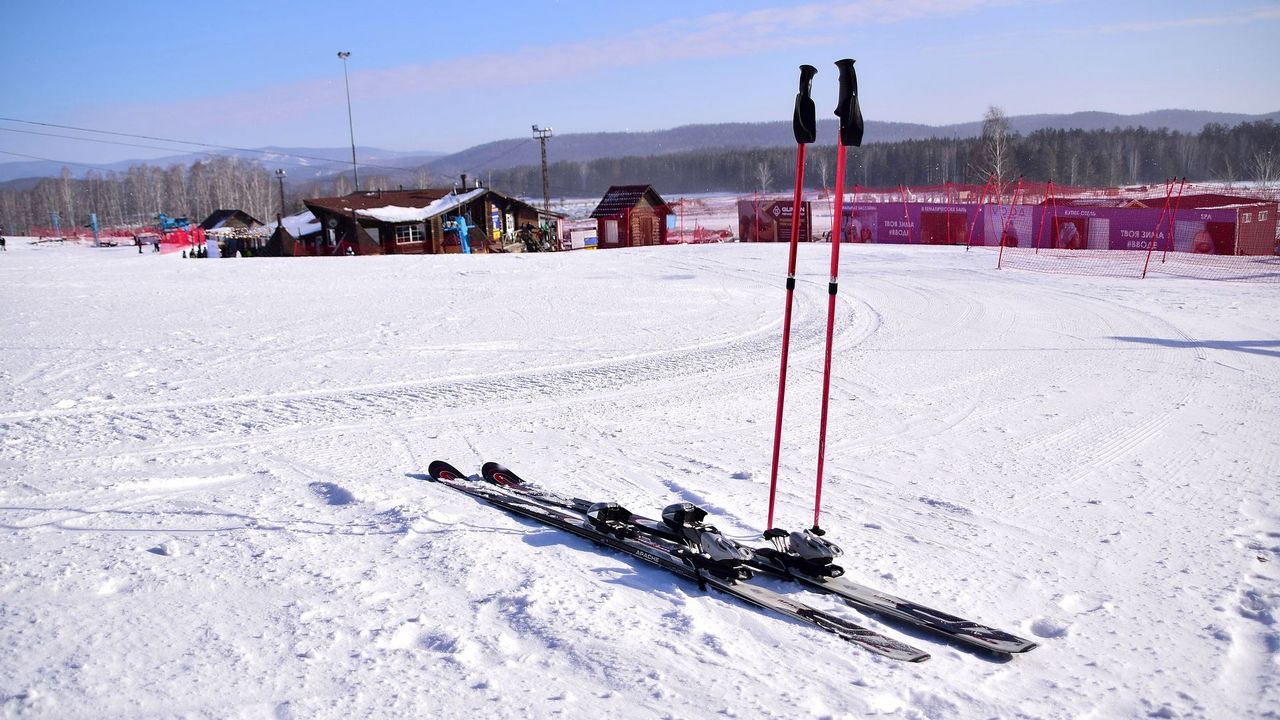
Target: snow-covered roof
x,y
397,214
304,223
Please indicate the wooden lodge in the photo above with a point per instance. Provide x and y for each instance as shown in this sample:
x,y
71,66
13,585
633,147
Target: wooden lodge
x,y
631,216
234,231
230,220
425,221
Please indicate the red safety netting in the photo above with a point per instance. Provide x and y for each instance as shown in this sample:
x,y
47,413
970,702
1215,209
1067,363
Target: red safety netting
x,y
1198,230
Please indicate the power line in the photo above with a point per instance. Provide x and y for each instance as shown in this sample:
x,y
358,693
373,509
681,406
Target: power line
x,y
179,142
475,166
500,155
45,159
96,140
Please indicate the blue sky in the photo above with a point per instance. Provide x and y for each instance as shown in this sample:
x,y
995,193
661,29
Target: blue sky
x,y
447,75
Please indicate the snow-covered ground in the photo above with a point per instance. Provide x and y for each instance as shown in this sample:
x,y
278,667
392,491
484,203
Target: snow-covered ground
x,y
211,500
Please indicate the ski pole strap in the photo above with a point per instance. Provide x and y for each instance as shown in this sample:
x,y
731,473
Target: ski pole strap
x,y
831,287
847,108
804,122
791,282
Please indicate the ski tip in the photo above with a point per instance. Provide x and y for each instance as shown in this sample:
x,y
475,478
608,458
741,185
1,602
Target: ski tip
x,y
441,470
499,475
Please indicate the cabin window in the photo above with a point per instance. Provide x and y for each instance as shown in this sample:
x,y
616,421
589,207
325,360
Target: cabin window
x,y
1246,217
410,234
1262,215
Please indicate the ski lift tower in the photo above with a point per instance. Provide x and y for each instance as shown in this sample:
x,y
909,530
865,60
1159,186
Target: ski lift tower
x,y
542,134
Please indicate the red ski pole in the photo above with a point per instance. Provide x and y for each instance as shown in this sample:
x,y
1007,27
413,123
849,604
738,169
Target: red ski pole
x,y
851,128
804,124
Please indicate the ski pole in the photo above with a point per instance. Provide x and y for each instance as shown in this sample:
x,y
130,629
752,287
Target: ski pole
x,y
851,128
805,126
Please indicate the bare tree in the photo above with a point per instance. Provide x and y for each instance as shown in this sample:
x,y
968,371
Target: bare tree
x,y
422,177
995,149
824,169
1266,167
67,201
764,175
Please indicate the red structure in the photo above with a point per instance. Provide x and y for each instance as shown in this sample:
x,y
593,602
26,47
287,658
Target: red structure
x,y
631,216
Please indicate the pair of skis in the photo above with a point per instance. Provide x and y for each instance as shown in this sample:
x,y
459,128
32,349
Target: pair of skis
x,y
805,127
722,573
682,543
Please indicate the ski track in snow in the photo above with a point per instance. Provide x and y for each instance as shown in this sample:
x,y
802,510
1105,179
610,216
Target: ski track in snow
x,y
1065,458
70,431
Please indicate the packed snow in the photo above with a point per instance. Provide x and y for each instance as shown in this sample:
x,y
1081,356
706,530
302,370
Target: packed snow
x,y
212,493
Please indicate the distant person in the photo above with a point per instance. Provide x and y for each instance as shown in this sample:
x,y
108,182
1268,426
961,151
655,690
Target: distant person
x,y
155,244
2,247
1009,238
1202,243
855,231
1069,236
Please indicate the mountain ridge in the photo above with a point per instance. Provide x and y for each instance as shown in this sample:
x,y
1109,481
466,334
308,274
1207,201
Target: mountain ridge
x,y
308,164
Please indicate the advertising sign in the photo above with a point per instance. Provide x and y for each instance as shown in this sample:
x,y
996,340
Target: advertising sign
x,y
770,220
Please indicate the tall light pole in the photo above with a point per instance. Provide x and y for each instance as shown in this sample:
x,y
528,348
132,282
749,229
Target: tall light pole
x,y
350,125
542,134
280,173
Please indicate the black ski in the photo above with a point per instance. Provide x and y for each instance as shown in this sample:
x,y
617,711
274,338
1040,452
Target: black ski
x,y
814,574
675,557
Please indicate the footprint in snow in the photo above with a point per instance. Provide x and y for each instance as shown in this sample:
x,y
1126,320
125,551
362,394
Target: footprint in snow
x,y
1050,628
168,548
332,494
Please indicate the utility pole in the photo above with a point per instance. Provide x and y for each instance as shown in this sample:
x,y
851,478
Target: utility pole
x,y
350,125
542,134
280,217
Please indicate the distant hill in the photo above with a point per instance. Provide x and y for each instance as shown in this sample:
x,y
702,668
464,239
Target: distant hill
x,y
590,146
301,163
304,164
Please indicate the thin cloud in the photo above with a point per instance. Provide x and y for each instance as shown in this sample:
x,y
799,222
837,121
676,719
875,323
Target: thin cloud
x,y
719,35
1260,14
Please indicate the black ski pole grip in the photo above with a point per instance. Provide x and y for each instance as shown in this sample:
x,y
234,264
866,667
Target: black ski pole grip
x,y
804,123
847,108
